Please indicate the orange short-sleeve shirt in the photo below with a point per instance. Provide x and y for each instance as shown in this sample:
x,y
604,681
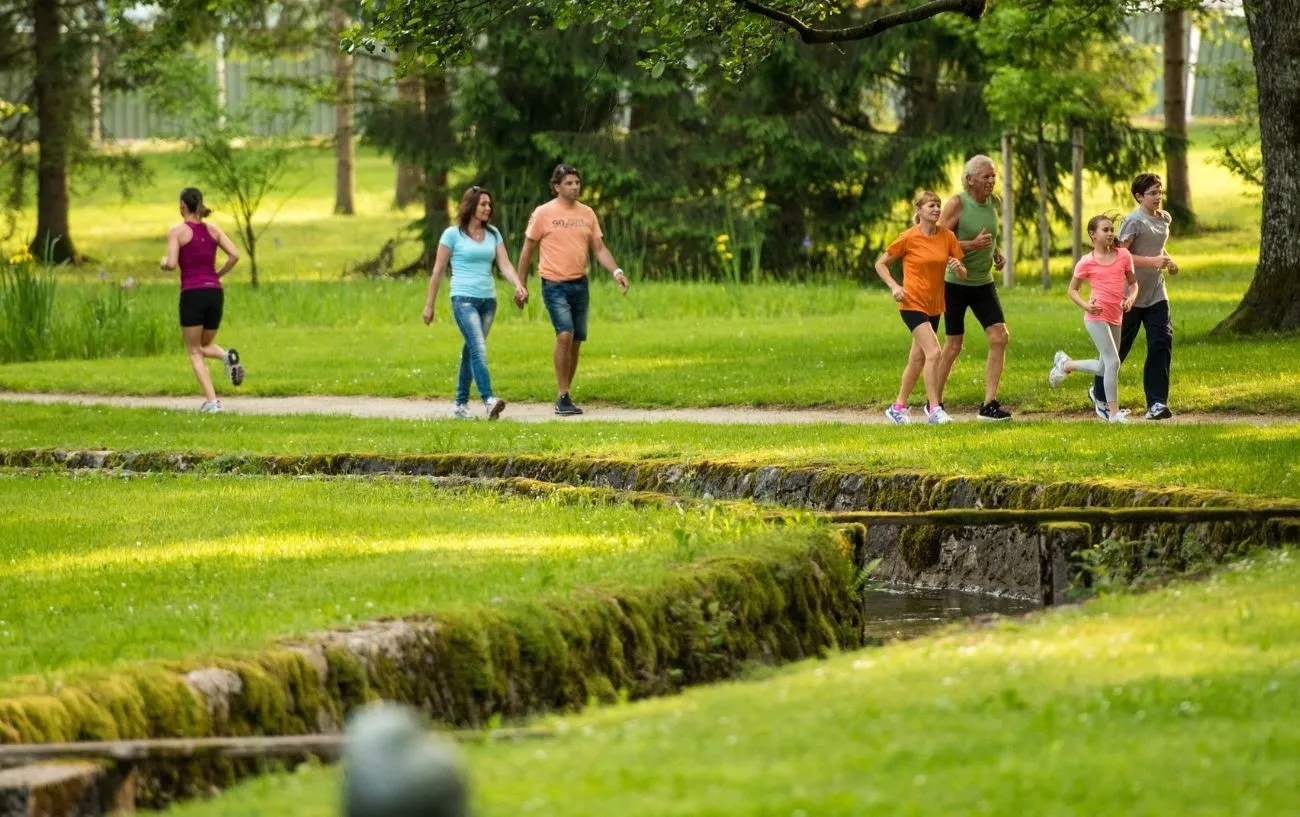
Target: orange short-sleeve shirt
x,y
563,234
925,259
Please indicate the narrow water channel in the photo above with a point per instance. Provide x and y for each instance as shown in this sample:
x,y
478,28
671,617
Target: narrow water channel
x,y
906,612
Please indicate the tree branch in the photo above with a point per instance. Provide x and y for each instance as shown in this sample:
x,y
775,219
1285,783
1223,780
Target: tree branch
x,y
973,9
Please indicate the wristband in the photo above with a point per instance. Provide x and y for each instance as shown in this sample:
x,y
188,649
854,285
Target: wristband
x,y
618,271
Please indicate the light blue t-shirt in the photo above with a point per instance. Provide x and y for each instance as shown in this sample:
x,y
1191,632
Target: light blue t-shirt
x,y
471,262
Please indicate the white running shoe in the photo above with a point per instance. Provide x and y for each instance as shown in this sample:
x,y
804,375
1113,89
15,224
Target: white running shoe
x,y
1057,375
494,406
1121,416
210,407
937,416
899,416
462,412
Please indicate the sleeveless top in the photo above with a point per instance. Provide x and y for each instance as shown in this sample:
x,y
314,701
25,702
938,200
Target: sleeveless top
x,y
198,259
976,217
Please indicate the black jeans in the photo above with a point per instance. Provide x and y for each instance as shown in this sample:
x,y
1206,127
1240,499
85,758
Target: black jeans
x,y
1160,347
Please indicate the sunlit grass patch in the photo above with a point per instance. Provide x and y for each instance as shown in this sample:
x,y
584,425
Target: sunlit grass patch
x,y
1180,701
96,570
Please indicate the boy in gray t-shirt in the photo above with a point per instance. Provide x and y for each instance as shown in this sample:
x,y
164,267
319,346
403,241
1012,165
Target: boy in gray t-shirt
x,y
1144,233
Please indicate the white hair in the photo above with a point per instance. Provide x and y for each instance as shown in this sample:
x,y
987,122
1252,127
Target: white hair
x,y
973,164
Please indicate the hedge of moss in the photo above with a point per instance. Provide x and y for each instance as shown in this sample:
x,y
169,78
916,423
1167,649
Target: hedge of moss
x,y
791,596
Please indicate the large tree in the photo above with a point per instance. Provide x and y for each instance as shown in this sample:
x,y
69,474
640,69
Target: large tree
x,y
1272,302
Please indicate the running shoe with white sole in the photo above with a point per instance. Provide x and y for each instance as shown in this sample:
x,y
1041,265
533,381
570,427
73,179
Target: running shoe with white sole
x,y
564,406
992,410
494,406
1097,405
900,417
234,369
462,412
937,416
1057,375
210,407
1159,411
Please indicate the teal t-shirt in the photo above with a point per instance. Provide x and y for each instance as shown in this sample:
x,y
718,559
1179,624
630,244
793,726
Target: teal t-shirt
x,y
471,262
979,263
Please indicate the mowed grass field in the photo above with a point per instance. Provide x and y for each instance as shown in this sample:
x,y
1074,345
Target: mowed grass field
x,y
1246,459
307,331
97,570
1181,701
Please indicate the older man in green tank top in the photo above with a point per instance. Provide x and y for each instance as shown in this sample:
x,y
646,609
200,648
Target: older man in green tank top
x,y
973,216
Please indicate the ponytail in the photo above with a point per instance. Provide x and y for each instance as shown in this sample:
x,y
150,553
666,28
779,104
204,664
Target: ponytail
x,y
192,198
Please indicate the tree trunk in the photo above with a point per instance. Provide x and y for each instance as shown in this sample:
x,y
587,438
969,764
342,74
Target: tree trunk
x,y
1178,190
437,111
344,121
1044,226
1273,301
53,85
409,176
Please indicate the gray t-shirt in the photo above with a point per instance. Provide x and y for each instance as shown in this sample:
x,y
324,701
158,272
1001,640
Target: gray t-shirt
x,y
1149,234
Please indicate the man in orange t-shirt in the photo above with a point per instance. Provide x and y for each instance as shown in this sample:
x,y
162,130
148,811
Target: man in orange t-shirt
x,y
563,231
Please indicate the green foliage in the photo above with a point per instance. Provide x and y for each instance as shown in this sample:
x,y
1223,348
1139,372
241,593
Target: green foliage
x,y
1239,143
242,156
39,320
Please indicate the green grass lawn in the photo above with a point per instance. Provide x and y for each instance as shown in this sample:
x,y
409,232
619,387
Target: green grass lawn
x,y
96,570
1181,701
1247,459
676,344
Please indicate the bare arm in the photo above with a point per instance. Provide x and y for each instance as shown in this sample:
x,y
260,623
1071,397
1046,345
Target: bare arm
x,y
1130,288
882,269
1077,297
508,271
949,217
439,268
172,258
526,260
606,259
228,247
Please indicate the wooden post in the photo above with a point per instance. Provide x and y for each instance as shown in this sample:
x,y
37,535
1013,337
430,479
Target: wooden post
x,y
1077,166
221,78
1008,214
1044,226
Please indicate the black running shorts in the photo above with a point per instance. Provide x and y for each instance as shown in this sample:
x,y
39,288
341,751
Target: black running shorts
x,y
981,299
914,318
202,307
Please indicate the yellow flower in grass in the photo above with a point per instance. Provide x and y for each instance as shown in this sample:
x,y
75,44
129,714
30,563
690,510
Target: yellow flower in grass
x,y
21,257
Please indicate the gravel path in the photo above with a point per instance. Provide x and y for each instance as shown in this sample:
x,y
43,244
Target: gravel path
x,y
411,409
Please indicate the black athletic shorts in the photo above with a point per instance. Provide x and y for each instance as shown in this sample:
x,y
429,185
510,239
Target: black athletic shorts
x,y
202,307
981,299
914,318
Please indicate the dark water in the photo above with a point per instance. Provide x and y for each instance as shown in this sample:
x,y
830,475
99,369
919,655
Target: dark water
x,y
906,612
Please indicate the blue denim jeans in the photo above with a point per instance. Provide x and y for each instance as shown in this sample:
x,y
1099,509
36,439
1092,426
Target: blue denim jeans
x,y
567,303
474,319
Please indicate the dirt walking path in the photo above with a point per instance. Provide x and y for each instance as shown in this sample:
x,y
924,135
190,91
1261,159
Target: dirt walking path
x,y
411,409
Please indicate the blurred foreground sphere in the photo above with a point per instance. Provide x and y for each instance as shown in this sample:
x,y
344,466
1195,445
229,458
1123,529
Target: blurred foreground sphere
x,y
393,767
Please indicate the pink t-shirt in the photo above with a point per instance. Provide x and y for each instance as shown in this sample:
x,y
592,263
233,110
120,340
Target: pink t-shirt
x,y
1108,282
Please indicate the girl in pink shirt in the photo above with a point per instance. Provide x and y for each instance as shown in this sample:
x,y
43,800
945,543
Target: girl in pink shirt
x,y
1109,273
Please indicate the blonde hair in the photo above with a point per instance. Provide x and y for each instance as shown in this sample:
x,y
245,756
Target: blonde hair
x,y
973,165
924,197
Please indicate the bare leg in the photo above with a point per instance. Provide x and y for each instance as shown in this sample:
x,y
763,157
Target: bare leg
x,y
564,357
999,337
574,348
929,343
947,359
198,342
912,371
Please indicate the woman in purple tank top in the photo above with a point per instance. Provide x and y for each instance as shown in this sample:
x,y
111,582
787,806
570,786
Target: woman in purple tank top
x,y
192,246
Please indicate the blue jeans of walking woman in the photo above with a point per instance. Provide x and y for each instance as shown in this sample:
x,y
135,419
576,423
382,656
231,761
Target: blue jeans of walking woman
x,y
474,319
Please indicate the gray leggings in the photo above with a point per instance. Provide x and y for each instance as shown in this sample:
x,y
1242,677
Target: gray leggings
x,y
1106,338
